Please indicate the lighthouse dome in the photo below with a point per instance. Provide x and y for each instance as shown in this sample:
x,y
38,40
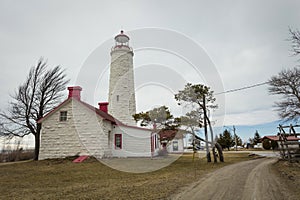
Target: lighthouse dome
x,y
122,38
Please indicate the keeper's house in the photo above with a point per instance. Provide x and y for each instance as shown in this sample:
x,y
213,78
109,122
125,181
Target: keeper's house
x,y
77,128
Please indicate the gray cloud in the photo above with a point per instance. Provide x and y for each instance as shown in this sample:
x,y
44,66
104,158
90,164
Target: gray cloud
x,y
245,40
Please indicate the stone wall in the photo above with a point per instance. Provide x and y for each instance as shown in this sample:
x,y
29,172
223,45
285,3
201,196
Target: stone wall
x,y
84,133
121,86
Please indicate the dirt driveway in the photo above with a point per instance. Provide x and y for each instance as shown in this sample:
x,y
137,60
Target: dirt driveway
x,y
246,180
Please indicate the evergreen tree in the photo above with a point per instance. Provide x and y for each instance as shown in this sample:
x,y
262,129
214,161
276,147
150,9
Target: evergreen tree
x,y
200,98
161,118
238,140
226,140
257,138
266,144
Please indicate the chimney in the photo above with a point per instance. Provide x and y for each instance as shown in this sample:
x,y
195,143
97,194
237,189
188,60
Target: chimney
x,y
74,92
103,106
154,126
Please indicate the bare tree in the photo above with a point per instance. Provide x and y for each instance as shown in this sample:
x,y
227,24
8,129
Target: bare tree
x,y
40,92
287,84
295,39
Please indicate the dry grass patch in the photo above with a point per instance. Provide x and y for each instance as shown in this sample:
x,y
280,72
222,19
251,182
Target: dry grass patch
x,y
289,174
62,179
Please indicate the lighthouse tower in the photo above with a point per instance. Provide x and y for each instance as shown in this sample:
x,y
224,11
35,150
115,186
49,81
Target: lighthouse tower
x,y
121,95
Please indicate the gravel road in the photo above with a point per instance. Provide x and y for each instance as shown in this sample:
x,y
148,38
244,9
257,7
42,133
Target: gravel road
x,y
246,180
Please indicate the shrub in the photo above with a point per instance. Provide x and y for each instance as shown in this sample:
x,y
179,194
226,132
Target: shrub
x,y
274,145
266,144
16,155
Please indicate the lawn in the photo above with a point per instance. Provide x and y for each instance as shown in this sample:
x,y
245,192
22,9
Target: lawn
x,y
62,179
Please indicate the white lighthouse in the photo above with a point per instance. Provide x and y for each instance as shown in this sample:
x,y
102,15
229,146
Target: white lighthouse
x,y
121,95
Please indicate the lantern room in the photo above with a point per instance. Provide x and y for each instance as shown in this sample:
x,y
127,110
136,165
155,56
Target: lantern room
x,y
122,39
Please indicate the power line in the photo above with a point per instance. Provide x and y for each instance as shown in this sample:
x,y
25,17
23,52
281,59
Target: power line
x,y
242,88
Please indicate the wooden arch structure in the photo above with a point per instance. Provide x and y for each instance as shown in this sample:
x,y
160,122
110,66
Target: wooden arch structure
x,y
288,143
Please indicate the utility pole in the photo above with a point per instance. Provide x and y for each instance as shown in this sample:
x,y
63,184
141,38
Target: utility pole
x,y
235,138
205,130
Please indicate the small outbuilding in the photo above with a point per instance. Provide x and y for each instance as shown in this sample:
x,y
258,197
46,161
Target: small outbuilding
x,y
172,140
275,142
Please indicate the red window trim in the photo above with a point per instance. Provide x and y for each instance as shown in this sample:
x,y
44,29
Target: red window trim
x,y
120,136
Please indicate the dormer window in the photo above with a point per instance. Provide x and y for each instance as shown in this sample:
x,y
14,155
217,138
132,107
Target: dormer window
x,y
63,116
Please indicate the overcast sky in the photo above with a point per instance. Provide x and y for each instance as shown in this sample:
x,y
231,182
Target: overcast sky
x,y
245,40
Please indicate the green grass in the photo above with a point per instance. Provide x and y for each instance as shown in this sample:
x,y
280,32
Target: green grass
x,y
62,179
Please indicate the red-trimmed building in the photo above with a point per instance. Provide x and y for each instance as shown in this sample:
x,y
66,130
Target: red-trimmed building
x,y
276,138
77,128
172,140
291,142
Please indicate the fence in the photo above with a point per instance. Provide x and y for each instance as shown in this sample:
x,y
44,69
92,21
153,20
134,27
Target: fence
x,y
289,145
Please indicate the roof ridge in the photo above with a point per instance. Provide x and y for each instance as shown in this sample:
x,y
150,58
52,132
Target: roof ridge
x,y
99,112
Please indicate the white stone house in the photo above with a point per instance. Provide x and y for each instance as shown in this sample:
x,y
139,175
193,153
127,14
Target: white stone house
x,y
77,128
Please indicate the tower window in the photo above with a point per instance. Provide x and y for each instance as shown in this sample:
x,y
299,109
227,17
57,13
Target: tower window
x,y
63,116
118,98
109,135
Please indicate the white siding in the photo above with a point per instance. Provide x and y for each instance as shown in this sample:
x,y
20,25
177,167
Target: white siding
x,y
170,146
135,142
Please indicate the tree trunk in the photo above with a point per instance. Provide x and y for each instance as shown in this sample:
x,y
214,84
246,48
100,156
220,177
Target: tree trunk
x,y
205,131
37,142
214,154
212,140
36,148
220,151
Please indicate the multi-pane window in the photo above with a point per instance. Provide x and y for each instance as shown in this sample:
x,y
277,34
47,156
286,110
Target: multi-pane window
x,y
118,141
63,116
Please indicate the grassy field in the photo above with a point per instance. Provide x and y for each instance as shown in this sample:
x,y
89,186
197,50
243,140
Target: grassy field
x,y
62,179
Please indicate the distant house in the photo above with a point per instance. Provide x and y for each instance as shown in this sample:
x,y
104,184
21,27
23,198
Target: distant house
x,y
292,140
172,140
276,138
176,145
77,128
